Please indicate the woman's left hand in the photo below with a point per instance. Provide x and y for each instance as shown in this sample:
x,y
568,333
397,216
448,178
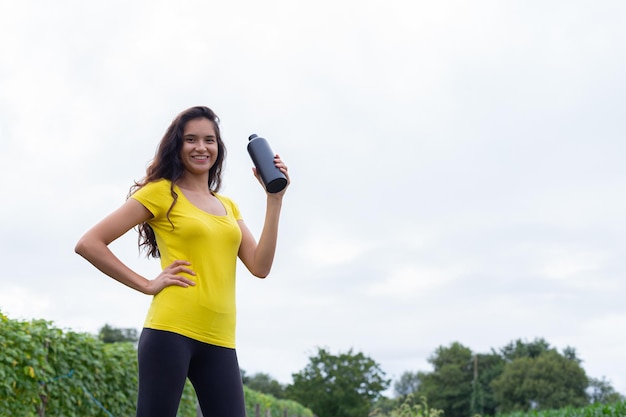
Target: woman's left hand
x,y
283,168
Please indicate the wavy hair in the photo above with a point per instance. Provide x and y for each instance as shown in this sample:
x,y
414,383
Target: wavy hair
x,y
167,164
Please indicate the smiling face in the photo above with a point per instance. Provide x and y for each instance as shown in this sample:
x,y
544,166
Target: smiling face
x,y
199,150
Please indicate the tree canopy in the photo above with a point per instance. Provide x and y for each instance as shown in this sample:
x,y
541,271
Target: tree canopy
x,y
449,386
264,383
342,385
110,334
546,381
520,376
408,383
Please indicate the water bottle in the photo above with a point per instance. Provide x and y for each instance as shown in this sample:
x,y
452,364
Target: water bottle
x,y
263,158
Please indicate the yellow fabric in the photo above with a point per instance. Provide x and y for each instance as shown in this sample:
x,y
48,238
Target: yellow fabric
x,y
206,311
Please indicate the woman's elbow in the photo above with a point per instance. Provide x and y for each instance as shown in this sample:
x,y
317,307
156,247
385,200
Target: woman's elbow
x,y
80,247
83,248
261,273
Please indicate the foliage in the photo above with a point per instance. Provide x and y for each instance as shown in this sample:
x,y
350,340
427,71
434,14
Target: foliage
x,y
601,391
264,383
383,405
343,385
109,334
45,371
407,384
520,376
542,382
449,386
520,349
487,367
617,409
409,408
478,370
271,406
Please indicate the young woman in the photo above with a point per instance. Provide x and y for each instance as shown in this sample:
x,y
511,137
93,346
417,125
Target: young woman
x,y
198,234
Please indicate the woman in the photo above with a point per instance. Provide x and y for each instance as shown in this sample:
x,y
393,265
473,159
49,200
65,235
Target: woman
x,y
198,234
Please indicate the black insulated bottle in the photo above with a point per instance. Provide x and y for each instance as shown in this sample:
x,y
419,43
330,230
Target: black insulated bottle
x,y
263,159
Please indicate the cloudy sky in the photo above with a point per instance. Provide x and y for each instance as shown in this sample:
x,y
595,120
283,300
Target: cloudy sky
x,y
458,168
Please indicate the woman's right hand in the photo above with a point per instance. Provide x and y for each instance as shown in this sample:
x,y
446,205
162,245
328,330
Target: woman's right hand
x,y
171,276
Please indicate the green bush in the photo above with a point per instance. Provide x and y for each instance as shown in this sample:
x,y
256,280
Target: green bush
x,y
276,407
409,407
46,371
617,409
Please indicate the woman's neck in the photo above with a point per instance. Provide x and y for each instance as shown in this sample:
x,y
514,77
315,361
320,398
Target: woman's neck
x,y
198,183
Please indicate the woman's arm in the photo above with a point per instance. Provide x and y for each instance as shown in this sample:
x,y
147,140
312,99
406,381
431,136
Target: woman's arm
x,y
93,246
258,258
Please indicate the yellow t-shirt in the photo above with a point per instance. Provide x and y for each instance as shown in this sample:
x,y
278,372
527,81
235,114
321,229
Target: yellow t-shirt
x,y
206,311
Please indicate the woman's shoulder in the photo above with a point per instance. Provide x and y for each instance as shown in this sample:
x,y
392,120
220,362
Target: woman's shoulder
x,y
160,183
160,186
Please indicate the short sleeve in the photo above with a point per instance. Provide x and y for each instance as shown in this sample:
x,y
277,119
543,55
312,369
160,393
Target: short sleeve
x,y
232,206
155,196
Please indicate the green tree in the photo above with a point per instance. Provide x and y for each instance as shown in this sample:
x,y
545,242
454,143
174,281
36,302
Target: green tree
x,y
449,386
343,385
110,334
264,383
570,353
383,406
408,383
487,367
522,349
463,383
601,391
546,381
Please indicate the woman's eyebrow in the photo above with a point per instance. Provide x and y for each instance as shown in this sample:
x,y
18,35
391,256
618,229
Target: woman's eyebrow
x,y
186,135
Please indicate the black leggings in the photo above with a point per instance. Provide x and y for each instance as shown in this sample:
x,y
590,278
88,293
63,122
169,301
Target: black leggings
x,y
166,359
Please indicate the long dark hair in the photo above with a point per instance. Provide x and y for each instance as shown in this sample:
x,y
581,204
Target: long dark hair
x,y
168,165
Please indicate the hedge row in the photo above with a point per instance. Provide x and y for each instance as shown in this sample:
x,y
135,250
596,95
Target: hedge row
x,y
617,409
46,371
263,405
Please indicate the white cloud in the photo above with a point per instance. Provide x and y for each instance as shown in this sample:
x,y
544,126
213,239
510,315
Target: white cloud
x,y
22,303
564,266
327,248
414,281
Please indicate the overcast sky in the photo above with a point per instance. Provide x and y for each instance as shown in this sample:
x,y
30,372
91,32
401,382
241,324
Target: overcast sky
x,y
458,167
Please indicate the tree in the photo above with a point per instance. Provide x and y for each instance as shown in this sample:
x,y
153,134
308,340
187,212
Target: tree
x,y
343,385
264,383
449,386
547,381
521,349
487,367
408,383
570,353
601,391
109,334
519,376
460,383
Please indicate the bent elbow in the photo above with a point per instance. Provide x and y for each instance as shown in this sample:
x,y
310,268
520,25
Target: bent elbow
x,y
261,274
82,248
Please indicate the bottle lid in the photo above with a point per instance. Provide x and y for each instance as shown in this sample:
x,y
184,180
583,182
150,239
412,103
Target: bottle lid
x,y
252,136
